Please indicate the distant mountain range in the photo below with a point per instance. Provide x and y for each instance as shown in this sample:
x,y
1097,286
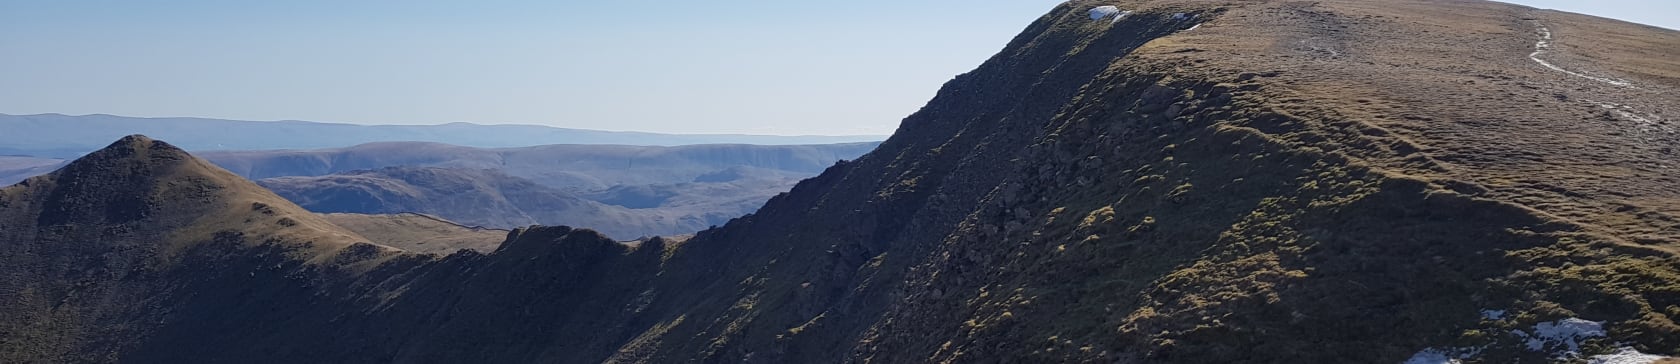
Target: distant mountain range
x,y
568,167
623,191
497,176
624,184
16,168
492,199
68,136
1334,181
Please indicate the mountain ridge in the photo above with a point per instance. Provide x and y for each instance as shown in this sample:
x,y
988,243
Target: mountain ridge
x,y
1200,181
565,166
132,224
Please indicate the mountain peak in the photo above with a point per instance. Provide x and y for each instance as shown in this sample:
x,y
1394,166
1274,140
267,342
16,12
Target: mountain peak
x,y
141,142
151,185
135,148
120,221
133,139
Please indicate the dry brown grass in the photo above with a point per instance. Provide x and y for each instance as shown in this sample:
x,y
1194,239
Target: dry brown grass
x,y
419,233
1445,91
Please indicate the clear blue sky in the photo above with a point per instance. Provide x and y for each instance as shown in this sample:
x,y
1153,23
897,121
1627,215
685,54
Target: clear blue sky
x,y
769,67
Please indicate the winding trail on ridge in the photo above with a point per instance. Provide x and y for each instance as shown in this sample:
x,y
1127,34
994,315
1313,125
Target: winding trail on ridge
x,y
1545,45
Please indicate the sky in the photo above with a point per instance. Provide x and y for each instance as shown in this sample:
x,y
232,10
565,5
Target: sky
x,y
760,67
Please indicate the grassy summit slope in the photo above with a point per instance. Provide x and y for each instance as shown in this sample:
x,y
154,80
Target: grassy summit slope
x,y
99,253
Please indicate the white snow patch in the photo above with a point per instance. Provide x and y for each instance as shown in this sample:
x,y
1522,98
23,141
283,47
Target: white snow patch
x,y
1545,44
1625,356
1097,13
1493,314
1633,116
1568,332
1561,339
1193,27
1122,15
1313,44
1627,112
1432,356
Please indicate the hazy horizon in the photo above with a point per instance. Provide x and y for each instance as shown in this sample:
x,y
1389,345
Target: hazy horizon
x,y
436,124
689,68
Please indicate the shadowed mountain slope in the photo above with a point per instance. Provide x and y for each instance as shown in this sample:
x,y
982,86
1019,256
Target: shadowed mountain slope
x,y
1190,181
96,254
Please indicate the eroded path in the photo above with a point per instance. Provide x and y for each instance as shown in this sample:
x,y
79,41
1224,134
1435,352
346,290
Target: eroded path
x,y
1544,45
1647,122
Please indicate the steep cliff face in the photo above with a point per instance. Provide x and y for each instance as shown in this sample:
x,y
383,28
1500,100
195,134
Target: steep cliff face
x,y
1192,182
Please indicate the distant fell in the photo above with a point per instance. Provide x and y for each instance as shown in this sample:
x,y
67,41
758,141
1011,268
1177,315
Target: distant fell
x,y
68,136
626,191
94,248
487,198
16,168
576,167
138,179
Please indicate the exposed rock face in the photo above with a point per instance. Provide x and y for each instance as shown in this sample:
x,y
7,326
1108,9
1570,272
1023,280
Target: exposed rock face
x,y
1100,191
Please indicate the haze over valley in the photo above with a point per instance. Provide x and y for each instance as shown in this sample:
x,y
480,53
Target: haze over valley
x,y
624,191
